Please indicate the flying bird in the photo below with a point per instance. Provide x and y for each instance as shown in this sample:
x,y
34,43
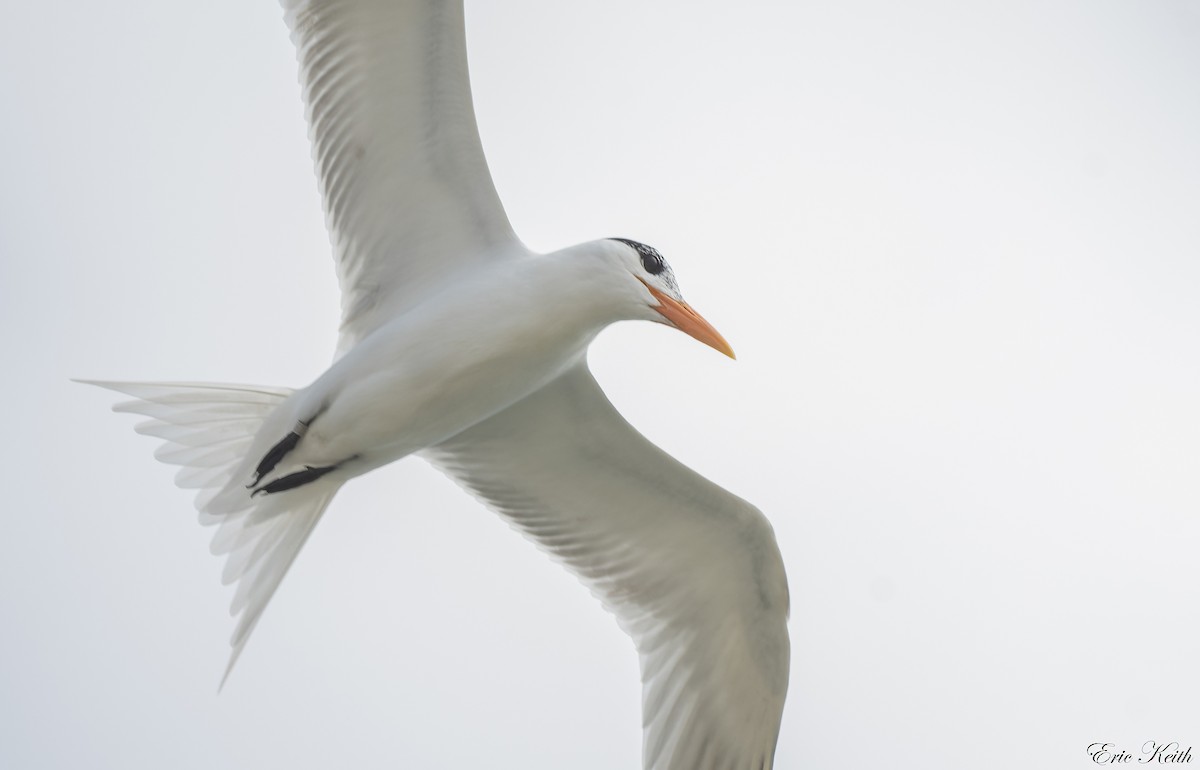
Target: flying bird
x,y
460,345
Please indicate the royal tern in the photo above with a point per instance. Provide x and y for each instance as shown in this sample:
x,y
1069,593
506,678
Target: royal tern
x,y
460,345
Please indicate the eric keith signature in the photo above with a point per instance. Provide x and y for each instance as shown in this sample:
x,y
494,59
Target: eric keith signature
x,y
1161,753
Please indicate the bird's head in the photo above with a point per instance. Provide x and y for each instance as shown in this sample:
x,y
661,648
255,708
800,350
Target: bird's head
x,y
659,293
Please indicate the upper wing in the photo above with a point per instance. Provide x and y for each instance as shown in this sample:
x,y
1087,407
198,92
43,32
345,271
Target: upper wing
x,y
692,573
408,198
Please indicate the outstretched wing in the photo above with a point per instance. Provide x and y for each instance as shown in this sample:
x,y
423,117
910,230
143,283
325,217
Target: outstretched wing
x,y
408,198
692,572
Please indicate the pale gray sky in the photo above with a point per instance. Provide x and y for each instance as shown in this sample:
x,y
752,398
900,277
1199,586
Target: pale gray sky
x,y
955,245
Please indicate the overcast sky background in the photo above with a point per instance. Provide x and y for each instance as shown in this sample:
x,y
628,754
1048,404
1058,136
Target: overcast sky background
x,y
955,245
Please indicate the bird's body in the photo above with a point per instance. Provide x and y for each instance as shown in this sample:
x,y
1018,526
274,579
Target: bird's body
x,y
450,362
462,346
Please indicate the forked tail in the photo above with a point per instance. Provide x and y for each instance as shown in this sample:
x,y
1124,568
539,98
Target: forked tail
x,y
210,430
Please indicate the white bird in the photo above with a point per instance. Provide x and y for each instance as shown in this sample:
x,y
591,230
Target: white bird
x,y
461,346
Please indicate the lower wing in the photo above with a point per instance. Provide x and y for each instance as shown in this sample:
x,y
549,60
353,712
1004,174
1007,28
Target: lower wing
x,y
691,572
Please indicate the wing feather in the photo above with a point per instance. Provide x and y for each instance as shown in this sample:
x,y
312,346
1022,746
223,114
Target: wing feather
x,y
409,201
691,572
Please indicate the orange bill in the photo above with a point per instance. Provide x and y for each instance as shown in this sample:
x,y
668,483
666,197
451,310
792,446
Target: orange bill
x,y
686,320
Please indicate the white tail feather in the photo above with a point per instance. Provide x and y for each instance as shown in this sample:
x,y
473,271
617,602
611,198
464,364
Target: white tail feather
x,y
210,431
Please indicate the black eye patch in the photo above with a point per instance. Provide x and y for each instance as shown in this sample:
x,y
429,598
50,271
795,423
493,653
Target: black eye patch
x,y
652,261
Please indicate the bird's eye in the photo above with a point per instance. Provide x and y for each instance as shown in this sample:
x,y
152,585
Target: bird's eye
x,y
653,262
